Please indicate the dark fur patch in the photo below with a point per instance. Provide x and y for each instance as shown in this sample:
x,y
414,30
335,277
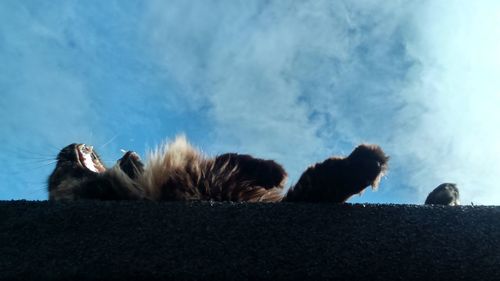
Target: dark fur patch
x,y
245,178
444,194
336,179
254,171
131,164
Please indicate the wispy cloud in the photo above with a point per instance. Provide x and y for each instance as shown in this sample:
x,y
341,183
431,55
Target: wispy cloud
x,y
65,77
39,100
297,81
456,82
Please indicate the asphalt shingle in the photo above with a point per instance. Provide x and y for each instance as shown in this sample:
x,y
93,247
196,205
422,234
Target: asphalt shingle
x,y
91,240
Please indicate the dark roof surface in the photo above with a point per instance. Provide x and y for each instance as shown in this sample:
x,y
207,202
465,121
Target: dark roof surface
x,y
89,240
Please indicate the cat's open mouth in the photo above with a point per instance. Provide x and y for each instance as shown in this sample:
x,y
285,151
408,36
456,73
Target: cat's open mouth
x,y
88,159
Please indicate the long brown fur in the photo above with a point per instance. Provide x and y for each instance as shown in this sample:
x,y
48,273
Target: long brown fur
x,y
176,171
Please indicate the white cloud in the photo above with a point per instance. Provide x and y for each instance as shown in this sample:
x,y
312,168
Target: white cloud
x,y
274,75
48,99
297,81
456,139
43,106
293,81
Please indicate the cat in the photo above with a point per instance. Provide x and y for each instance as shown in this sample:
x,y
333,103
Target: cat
x,y
80,174
177,171
444,194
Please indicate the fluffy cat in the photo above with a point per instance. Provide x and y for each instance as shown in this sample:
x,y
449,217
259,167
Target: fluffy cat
x,y
176,171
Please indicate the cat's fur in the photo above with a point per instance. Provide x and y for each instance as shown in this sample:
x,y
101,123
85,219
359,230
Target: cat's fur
x,y
176,171
444,194
72,180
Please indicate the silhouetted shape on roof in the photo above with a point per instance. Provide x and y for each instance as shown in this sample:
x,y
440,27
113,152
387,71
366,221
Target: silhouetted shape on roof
x,y
444,194
177,171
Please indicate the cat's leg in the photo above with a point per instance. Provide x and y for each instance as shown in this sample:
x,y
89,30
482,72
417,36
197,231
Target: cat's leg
x,y
337,178
131,164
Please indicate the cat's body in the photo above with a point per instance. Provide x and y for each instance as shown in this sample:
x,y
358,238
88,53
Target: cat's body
x,y
177,171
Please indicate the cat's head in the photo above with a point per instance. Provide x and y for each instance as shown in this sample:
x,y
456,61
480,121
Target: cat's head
x,y
81,156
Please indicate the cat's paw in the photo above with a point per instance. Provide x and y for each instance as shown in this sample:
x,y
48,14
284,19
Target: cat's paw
x,y
338,178
131,164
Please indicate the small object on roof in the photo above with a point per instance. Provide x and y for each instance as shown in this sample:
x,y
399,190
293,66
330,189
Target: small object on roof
x,y
444,194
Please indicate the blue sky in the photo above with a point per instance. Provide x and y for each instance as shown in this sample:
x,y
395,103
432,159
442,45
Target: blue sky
x,y
295,81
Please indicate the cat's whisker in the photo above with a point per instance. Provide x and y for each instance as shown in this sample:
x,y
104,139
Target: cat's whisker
x,y
45,164
54,147
91,138
37,161
27,170
48,158
36,186
35,190
27,153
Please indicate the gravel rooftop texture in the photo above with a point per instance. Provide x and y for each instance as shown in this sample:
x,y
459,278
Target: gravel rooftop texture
x,y
91,240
